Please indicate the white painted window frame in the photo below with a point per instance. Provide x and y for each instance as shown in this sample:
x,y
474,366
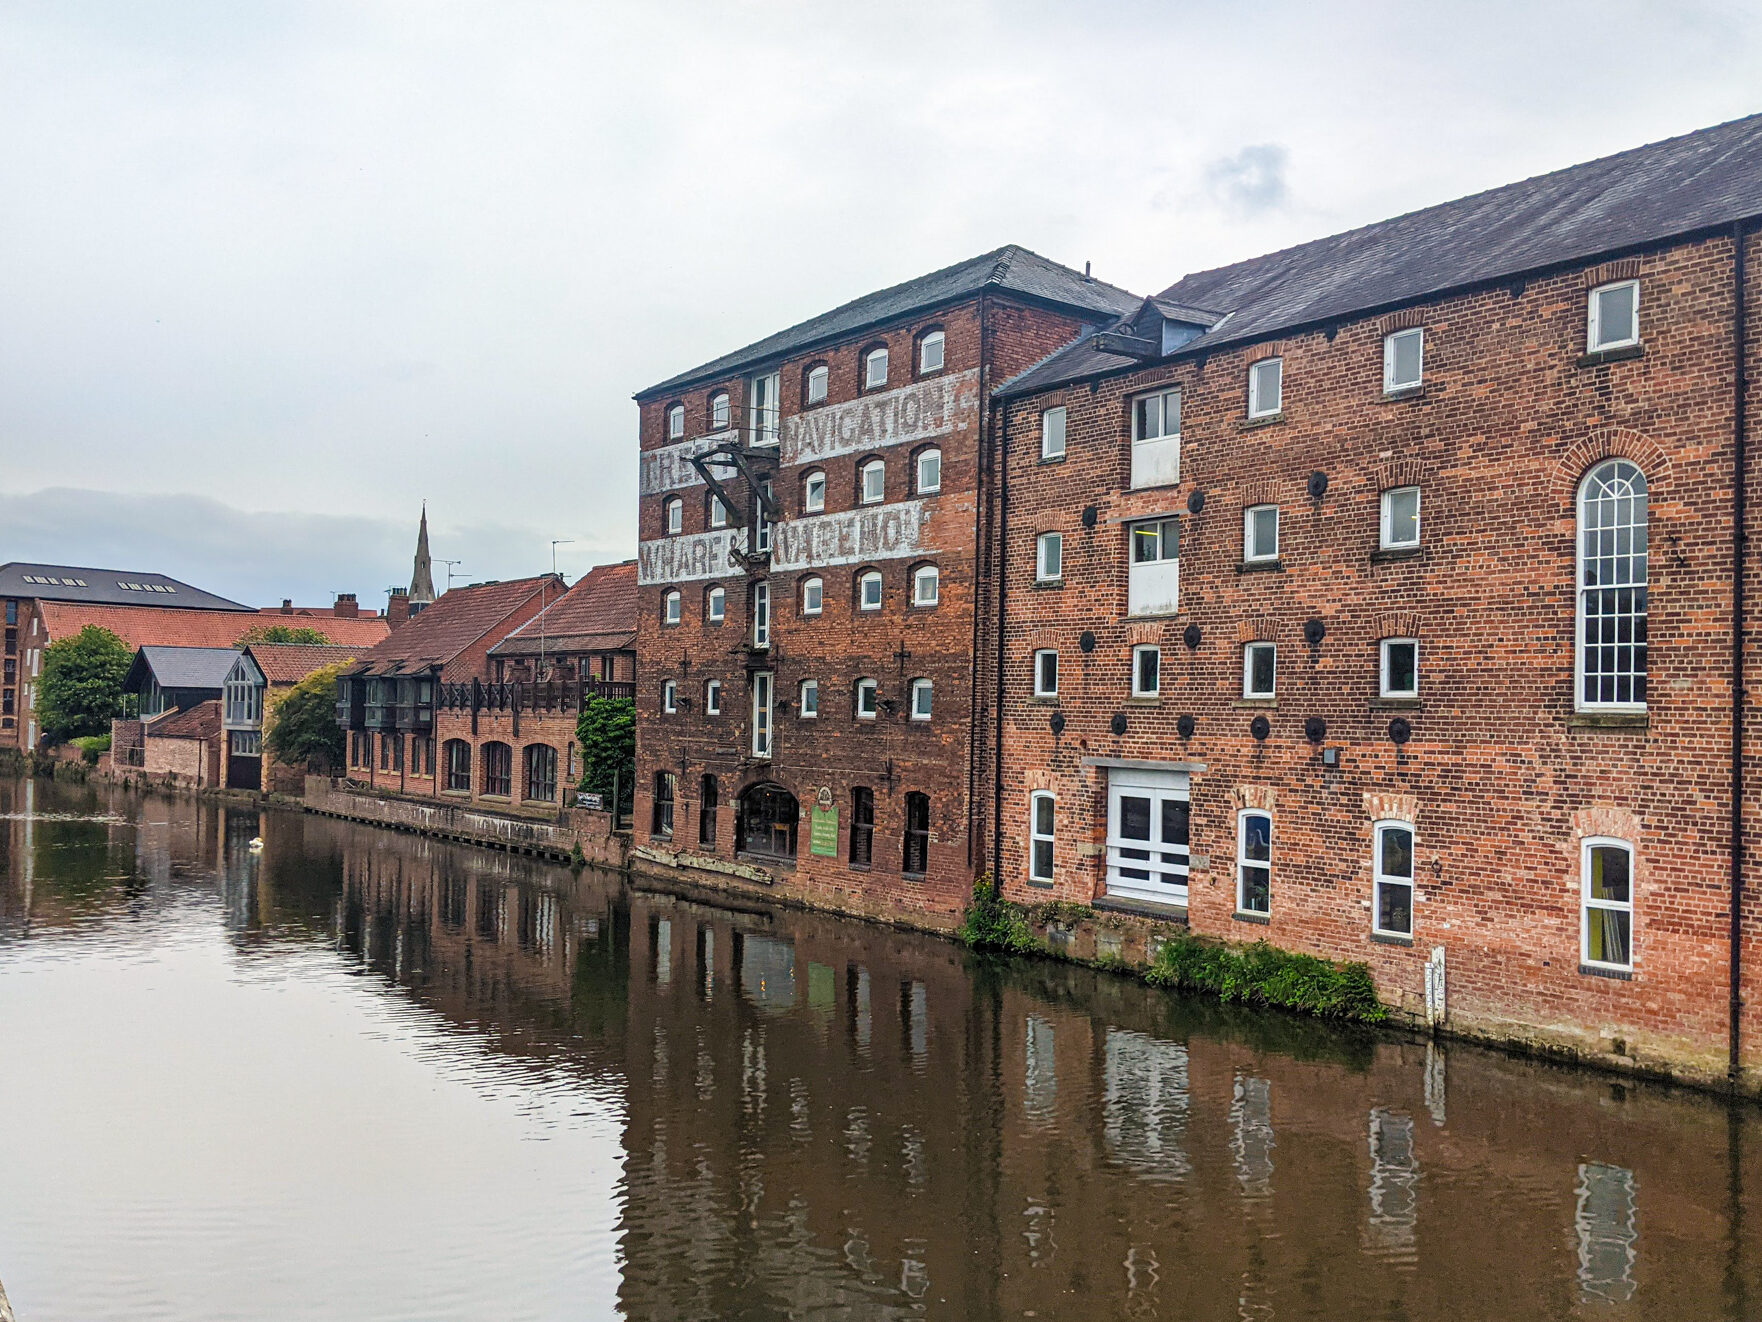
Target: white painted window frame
x,y
931,487
808,700
1384,689
712,697
1038,837
927,689
670,697
672,606
673,511
1052,438
1594,341
1243,861
1049,557
936,338
1381,879
1252,553
1248,650
1386,519
719,411
1580,614
879,468
813,595
1390,384
764,701
864,579
931,575
813,492
1040,691
819,376
675,421
1257,375
1138,689
761,616
1587,904
871,689
873,356
716,605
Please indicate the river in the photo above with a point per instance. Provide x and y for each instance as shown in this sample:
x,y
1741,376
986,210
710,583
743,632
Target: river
x,y
360,1075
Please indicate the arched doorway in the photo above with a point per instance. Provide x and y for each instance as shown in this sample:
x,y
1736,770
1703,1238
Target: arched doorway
x,y
769,815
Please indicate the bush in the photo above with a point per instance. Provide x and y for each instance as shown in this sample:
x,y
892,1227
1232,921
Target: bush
x,y
91,747
606,731
993,923
306,733
81,689
1262,974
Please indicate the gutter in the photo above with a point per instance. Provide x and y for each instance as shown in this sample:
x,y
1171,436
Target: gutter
x,y
1739,544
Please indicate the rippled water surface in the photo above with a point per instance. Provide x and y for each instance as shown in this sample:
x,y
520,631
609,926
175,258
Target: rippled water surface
x,y
358,1075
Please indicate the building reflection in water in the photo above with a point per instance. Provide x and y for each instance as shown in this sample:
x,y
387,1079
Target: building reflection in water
x,y
1394,1186
1606,1232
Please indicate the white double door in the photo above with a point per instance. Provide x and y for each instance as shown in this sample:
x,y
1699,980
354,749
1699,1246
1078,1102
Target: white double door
x,y
1147,835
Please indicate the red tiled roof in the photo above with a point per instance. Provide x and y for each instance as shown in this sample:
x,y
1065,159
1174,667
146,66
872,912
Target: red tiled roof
x,y
359,632
159,626
363,613
199,722
289,663
455,621
597,614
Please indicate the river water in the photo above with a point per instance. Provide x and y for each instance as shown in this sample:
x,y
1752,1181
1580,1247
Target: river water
x,y
361,1075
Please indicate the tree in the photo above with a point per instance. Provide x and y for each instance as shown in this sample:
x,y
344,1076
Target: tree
x,y
81,689
306,732
282,633
606,731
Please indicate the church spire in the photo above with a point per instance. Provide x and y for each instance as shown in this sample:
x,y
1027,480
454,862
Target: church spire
x,y
422,581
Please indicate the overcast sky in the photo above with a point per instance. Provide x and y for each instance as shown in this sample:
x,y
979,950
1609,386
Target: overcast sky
x,y
273,274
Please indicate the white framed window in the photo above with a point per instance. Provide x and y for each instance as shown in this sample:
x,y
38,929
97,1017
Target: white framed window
x,y
1613,314
872,482
926,585
719,410
1403,359
869,590
1146,670
1399,520
1613,521
1042,818
712,697
813,596
1254,861
716,605
875,368
809,705
1392,905
675,422
1260,533
923,693
670,697
762,409
761,615
1156,439
718,513
674,509
1049,556
930,350
813,493
929,471
868,699
671,606
1266,388
1052,433
764,533
1399,668
763,697
1260,670
1608,904
818,379
1046,673
1153,578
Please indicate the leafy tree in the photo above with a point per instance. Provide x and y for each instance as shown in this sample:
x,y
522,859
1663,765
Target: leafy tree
x,y
306,732
81,689
606,731
282,633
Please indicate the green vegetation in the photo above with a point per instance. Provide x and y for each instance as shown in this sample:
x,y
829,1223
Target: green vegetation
x,y
306,732
606,731
282,633
993,923
91,746
1262,974
81,689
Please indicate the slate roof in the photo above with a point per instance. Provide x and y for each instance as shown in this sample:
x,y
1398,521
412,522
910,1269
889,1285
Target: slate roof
x,y
182,667
1009,269
107,587
201,721
452,624
1664,190
598,614
289,663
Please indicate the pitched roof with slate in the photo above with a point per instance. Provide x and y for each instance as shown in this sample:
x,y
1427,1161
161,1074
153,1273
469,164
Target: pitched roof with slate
x,y
202,721
598,614
106,587
182,667
1665,190
1010,269
453,623
289,663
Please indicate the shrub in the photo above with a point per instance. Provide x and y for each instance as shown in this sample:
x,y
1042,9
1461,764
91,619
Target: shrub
x,y
81,689
91,747
1262,974
993,923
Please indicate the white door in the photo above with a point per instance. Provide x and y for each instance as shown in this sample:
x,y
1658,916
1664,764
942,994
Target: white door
x,y
1147,835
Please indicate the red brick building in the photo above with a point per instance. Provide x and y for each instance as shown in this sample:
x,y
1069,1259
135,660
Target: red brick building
x,y
1380,597
810,511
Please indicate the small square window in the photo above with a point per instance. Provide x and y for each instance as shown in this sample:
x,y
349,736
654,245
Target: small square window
x,y
926,586
1614,316
1400,668
1146,671
929,472
869,591
1400,518
1266,388
922,694
1260,533
1049,557
875,369
1052,433
868,700
817,382
1259,670
713,698
810,699
1403,360
1046,673
930,350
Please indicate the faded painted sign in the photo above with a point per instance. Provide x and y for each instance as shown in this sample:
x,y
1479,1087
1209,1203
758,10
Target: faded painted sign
x,y
682,559
880,532
873,422
669,468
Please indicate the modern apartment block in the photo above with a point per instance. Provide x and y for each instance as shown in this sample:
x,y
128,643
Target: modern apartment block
x,y
810,522
1386,598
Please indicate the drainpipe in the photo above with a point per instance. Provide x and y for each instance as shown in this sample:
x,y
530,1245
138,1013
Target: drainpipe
x,y
1002,599
981,552
1739,515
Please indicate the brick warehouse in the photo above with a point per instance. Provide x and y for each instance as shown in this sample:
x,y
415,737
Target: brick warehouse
x,y
805,716
1329,618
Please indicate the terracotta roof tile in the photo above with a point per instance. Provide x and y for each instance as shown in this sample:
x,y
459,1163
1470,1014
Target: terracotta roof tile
x,y
153,626
453,623
289,663
199,722
597,614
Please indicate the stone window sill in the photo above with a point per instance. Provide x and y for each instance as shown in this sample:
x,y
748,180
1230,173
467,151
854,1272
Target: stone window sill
x,y
1052,459
1261,567
1039,885
1041,584
1598,357
1045,699
1384,555
1390,939
1144,700
1401,393
1247,916
1256,704
1143,908
1597,971
1270,420
495,798
1638,720
1396,704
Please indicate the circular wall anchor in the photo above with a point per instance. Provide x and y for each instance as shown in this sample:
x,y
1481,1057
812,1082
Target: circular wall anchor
x,y
1090,515
1185,725
1195,501
1318,484
1399,730
1190,635
1058,722
1087,640
1314,631
1260,727
1315,729
1118,724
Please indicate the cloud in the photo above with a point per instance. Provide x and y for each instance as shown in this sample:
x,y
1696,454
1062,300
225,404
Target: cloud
x,y
1250,182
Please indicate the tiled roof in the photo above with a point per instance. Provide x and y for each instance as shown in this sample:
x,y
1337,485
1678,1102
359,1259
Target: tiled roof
x,y
182,667
201,721
1011,269
106,587
140,626
1666,189
597,614
453,623
289,663
360,632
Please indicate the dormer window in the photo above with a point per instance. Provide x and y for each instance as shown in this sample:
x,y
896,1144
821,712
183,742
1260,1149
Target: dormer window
x,y
875,368
675,422
1614,316
1266,388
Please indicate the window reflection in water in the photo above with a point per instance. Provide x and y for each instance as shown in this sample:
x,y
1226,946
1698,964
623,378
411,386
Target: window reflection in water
x,y
1251,1136
1145,1104
1606,1232
1394,1185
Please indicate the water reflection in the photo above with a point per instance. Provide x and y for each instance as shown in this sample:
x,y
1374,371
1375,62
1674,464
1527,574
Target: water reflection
x,y
439,1082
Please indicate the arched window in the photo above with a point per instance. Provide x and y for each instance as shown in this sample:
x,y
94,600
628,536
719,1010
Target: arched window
x,y
458,764
867,702
1254,862
1608,903
813,492
673,509
1041,821
875,368
675,422
671,606
862,826
541,772
930,352
719,410
818,379
927,472
926,585
498,770
869,590
709,800
769,815
813,596
661,825
916,860
872,482
716,513
1612,575
716,605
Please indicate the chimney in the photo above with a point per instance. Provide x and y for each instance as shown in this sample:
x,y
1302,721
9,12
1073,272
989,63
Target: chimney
x,y
287,605
347,607
397,606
